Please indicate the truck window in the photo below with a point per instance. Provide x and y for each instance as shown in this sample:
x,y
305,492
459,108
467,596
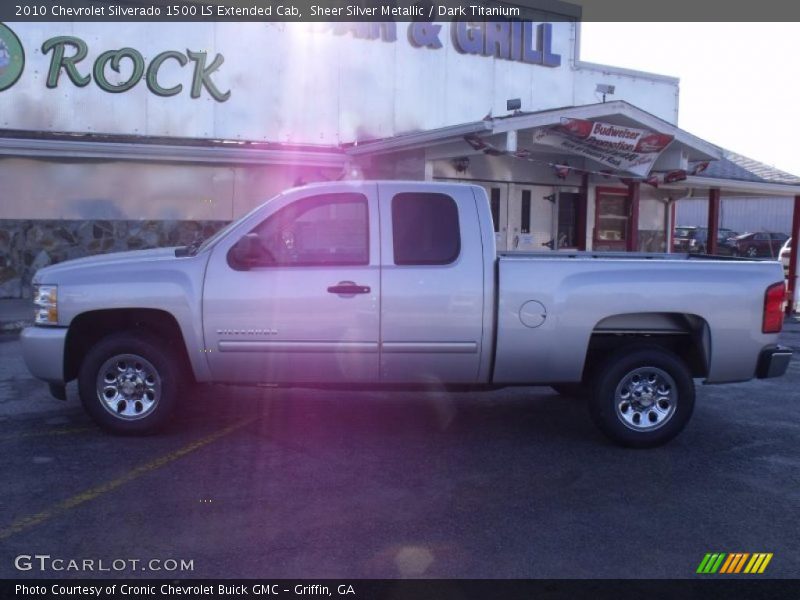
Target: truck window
x,y
324,230
425,229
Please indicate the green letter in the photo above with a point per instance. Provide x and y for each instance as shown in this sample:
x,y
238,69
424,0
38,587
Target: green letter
x,y
202,76
60,61
114,57
152,73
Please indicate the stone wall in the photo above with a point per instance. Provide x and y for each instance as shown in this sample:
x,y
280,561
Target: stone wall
x,y
27,245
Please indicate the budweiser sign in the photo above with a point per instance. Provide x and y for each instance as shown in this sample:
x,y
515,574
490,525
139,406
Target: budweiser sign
x,y
622,148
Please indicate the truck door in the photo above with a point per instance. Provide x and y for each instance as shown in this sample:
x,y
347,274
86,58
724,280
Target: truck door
x,y
432,276
308,312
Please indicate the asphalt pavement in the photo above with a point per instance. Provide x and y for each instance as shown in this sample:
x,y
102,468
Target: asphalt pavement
x,y
272,483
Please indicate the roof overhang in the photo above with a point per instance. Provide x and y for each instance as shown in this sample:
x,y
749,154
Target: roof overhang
x,y
226,153
422,139
739,187
617,112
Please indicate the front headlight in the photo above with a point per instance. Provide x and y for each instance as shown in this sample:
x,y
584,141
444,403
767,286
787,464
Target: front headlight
x,y
45,297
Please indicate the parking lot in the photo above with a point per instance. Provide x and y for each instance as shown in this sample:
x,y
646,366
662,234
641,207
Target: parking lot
x,y
300,483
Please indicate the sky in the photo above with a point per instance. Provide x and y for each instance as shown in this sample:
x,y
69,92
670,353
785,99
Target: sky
x,y
740,82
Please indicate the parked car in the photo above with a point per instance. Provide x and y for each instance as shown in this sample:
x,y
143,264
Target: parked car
x,y
760,243
786,251
396,285
695,239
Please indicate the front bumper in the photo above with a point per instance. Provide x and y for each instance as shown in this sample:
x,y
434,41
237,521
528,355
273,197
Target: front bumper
x,y
773,361
43,351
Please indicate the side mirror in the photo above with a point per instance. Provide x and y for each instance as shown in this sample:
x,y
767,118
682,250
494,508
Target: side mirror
x,y
247,253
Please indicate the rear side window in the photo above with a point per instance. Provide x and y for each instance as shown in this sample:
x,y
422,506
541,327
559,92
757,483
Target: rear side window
x,y
425,229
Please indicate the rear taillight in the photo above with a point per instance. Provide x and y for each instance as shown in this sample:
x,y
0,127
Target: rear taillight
x,y
773,308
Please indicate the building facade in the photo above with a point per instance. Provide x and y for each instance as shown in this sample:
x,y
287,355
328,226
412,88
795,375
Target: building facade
x,y
159,133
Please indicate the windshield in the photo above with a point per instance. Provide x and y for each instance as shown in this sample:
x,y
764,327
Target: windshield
x,y
684,232
219,234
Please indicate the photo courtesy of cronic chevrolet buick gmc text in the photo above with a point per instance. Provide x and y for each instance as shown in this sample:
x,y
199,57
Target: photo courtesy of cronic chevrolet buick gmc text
x,y
398,284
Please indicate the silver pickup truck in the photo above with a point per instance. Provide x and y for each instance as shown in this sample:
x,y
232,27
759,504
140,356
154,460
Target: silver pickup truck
x,y
398,284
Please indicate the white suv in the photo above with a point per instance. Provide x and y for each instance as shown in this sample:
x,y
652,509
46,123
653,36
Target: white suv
x,y
786,250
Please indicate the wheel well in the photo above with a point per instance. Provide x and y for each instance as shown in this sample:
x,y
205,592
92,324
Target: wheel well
x,y
685,335
88,328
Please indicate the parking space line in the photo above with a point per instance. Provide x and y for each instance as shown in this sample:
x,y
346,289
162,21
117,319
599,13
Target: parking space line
x,y
45,432
97,491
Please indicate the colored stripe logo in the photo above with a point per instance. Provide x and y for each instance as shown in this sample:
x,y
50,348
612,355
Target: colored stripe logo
x,y
735,562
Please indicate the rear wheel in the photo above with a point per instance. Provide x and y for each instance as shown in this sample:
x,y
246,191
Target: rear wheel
x,y
643,396
128,383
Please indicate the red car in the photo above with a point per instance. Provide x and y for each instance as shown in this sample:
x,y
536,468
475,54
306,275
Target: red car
x,y
761,243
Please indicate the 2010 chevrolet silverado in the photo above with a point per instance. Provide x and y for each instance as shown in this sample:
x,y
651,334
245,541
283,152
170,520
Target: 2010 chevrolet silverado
x,y
382,284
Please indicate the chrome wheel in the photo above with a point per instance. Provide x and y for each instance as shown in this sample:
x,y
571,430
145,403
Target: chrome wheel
x,y
646,399
128,386
752,252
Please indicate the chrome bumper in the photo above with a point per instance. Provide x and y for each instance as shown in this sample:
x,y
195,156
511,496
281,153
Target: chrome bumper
x,y
43,351
773,361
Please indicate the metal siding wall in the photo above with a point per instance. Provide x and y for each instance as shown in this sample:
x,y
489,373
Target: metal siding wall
x,y
740,214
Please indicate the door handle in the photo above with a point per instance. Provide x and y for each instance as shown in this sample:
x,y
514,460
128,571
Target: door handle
x,y
349,288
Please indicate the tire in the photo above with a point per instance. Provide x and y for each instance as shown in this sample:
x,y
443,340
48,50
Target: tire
x,y
628,383
143,376
751,252
571,390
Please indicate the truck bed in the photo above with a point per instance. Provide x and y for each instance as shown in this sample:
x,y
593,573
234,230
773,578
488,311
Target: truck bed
x,y
578,293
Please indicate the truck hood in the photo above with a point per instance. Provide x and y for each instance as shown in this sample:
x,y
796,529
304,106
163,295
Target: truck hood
x,y
54,273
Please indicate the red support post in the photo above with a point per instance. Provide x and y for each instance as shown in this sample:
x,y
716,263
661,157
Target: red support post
x,y
793,256
632,243
713,221
671,232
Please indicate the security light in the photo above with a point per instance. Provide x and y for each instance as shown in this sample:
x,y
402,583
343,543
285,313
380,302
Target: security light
x,y
604,88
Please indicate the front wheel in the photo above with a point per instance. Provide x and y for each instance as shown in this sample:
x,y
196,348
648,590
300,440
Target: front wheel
x,y
128,383
751,252
643,396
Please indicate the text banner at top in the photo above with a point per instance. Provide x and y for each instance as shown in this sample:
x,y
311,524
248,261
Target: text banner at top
x,y
287,10
396,10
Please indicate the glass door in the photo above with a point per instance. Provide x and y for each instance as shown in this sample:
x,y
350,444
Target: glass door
x,y
531,210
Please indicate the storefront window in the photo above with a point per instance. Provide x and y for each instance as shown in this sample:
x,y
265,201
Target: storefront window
x,y
611,220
